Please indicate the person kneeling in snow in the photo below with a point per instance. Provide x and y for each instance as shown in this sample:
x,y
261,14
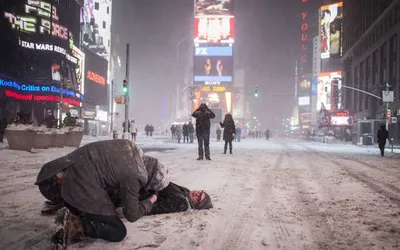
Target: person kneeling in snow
x,y
82,180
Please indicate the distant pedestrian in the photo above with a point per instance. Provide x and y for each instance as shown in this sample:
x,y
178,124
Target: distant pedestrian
x,y
133,130
382,136
229,132
185,132
238,134
218,134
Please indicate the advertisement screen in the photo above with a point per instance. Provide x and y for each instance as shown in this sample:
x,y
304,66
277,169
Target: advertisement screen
x,y
329,88
214,7
214,29
39,92
213,65
304,101
95,78
92,37
331,30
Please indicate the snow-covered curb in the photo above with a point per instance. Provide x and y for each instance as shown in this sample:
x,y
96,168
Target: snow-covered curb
x,y
43,129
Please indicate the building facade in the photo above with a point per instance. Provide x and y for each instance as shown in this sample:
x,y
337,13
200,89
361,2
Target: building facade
x,y
371,60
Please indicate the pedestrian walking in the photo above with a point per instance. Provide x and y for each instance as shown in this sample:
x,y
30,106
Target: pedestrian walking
x,y
382,136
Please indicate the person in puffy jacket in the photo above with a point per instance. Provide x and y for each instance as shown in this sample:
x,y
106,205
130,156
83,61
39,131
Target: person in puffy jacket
x,y
382,136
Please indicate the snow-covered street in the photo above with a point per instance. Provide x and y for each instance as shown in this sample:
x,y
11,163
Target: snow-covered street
x,y
278,194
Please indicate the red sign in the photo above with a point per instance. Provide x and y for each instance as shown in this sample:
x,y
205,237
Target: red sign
x,y
96,78
304,34
39,98
340,113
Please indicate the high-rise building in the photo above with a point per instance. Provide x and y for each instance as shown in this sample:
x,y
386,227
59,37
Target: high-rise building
x,y
371,60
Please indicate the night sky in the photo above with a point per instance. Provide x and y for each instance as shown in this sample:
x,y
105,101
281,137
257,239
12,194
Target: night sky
x,y
267,44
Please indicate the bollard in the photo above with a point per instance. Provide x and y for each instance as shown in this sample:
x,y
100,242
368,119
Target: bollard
x,y
392,144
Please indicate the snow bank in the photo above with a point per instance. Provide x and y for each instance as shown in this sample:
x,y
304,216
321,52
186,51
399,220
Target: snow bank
x,y
43,129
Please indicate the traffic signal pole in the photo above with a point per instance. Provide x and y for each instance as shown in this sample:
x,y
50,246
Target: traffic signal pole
x,y
126,127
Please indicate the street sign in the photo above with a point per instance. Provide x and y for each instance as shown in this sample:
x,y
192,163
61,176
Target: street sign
x,y
387,96
394,120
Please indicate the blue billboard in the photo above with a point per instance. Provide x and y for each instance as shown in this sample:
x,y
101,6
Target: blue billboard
x,y
213,65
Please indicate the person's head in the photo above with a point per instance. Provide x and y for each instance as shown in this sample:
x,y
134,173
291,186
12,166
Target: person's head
x,y
200,200
203,106
333,28
133,121
383,126
228,117
68,114
49,112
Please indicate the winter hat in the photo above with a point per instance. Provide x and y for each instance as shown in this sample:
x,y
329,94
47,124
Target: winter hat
x,y
158,177
205,204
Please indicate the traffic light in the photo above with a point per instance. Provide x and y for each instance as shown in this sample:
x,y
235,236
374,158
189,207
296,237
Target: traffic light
x,y
125,86
256,93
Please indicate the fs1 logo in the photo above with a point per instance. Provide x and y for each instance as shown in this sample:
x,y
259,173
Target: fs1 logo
x,y
201,52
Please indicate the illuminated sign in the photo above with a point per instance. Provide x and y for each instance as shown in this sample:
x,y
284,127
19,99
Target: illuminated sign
x,y
212,83
40,17
331,30
214,29
304,34
213,51
304,101
212,7
212,70
39,98
329,91
96,78
48,47
213,89
79,68
341,121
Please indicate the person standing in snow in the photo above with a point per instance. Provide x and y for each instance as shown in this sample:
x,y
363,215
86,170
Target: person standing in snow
x,y
178,133
87,175
3,126
203,115
50,120
191,131
382,136
238,134
185,132
229,132
133,130
173,129
218,134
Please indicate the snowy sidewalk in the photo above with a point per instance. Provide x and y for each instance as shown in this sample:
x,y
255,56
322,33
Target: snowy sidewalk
x,y
277,194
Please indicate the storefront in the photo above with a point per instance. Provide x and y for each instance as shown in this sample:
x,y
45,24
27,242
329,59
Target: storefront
x,y
95,122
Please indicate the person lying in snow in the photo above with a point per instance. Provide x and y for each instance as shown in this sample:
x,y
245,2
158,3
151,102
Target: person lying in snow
x,y
124,177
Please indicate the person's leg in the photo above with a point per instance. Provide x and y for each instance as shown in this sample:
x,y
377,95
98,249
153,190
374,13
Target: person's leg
x,y
76,225
225,147
230,146
200,141
207,145
382,149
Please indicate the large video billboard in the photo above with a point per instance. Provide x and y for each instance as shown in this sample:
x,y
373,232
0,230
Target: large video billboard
x,y
41,34
95,78
331,30
214,7
94,14
329,91
213,65
214,29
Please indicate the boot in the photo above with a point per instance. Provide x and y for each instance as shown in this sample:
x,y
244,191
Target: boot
x,y
230,150
71,230
200,158
208,158
224,151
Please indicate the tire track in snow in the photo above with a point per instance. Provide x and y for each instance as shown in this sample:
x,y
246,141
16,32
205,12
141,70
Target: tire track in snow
x,y
379,186
245,225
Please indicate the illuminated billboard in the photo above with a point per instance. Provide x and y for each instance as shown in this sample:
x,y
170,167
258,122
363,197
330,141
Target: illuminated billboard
x,y
95,78
214,29
329,91
331,30
213,65
214,7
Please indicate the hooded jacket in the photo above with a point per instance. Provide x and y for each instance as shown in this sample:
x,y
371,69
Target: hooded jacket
x,y
94,169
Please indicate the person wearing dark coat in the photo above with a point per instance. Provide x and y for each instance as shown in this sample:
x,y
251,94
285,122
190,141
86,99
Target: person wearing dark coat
x,y
3,126
82,181
218,134
191,131
185,132
382,136
203,115
229,132
175,199
50,120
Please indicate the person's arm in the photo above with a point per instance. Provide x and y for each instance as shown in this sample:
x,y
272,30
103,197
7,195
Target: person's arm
x,y
174,204
210,114
222,125
132,208
196,114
